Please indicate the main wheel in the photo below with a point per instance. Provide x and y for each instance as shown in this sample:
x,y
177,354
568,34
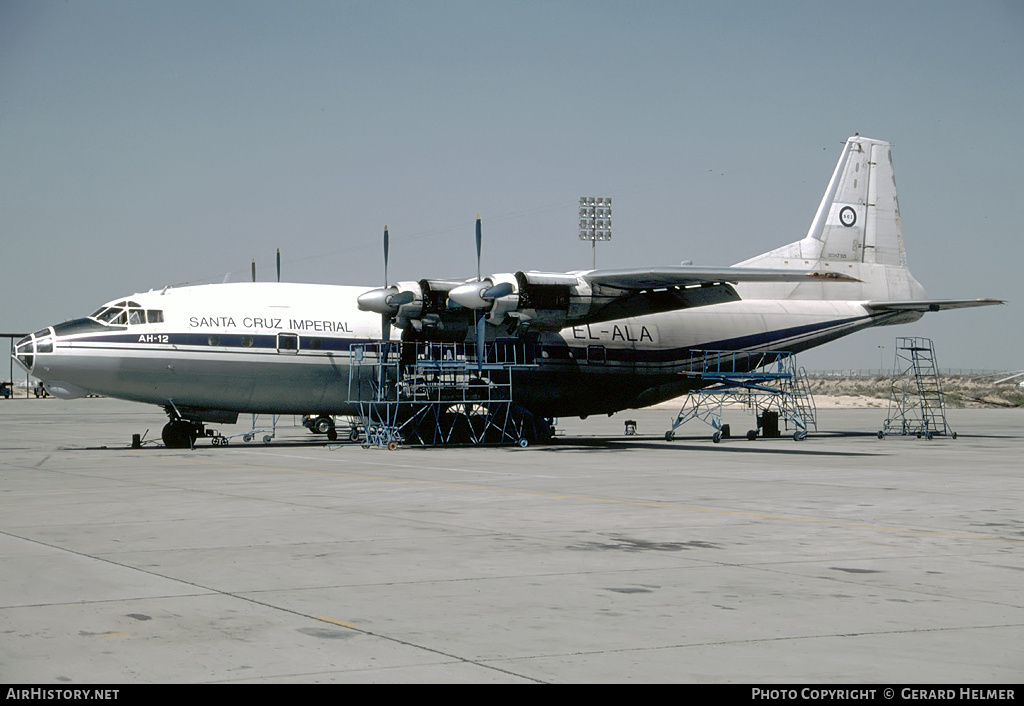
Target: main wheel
x,y
177,435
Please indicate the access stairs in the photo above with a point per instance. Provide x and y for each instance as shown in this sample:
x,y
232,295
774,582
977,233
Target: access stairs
x,y
916,402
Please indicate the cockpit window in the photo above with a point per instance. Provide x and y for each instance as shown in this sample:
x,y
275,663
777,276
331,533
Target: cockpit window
x,y
108,315
127,313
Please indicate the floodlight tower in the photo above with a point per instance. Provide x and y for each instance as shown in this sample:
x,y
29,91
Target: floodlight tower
x,y
595,221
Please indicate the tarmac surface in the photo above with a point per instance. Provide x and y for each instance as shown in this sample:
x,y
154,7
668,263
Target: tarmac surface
x,y
598,558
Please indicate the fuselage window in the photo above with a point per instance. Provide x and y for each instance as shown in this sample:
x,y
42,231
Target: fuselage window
x,y
287,342
247,341
213,340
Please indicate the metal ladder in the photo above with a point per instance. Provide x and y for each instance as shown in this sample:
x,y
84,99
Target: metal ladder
x,y
916,402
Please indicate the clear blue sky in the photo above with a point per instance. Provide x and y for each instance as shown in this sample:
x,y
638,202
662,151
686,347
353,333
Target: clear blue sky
x,y
153,143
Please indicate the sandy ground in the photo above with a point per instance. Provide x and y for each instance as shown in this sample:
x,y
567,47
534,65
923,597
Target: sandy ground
x,y
820,401
874,393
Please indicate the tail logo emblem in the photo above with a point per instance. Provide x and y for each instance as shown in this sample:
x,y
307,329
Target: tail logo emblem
x,y
847,216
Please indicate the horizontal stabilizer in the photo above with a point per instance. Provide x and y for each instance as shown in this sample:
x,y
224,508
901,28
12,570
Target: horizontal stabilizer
x,y
924,305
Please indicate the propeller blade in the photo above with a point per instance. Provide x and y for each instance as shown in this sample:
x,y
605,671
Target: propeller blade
x,y
481,334
481,322
279,264
497,291
400,299
385,317
479,237
385,256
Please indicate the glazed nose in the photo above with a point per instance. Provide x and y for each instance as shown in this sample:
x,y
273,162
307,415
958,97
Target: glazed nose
x,y
27,348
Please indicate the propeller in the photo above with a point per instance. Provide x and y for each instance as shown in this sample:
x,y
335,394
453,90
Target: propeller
x,y
385,300
479,296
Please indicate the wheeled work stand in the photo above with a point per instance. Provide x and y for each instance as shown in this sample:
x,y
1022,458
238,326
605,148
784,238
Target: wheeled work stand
x,y
768,382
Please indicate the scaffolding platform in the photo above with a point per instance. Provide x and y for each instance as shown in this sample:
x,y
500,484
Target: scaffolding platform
x,y
769,383
439,394
916,403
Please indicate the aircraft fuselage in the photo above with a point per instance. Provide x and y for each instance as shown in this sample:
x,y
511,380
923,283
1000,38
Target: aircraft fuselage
x,y
285,348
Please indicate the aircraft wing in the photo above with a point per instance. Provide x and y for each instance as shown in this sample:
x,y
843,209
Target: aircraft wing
x,y
640,279
605,295
551,301
619,294
924,305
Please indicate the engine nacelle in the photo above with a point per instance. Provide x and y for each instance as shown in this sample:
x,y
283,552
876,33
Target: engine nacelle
x,y
548,301
430,316
496,295
538,300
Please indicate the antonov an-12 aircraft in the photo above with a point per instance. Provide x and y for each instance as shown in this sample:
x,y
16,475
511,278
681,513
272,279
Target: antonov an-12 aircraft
x,y
600,341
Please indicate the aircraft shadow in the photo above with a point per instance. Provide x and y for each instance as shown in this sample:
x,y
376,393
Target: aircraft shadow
x,y
780,445
734,445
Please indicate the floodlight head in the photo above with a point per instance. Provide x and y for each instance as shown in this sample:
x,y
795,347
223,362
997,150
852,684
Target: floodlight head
x,y
595,218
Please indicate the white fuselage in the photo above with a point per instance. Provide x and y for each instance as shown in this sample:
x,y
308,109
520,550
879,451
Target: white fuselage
x,y
284,348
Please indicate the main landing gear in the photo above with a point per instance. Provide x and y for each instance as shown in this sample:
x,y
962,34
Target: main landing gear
x,y
181,433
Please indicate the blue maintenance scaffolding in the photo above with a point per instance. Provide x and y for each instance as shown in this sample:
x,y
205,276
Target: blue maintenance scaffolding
x,y
768,383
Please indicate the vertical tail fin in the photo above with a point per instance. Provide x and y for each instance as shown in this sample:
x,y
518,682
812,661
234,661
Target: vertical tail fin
x,y
858,219
856,230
